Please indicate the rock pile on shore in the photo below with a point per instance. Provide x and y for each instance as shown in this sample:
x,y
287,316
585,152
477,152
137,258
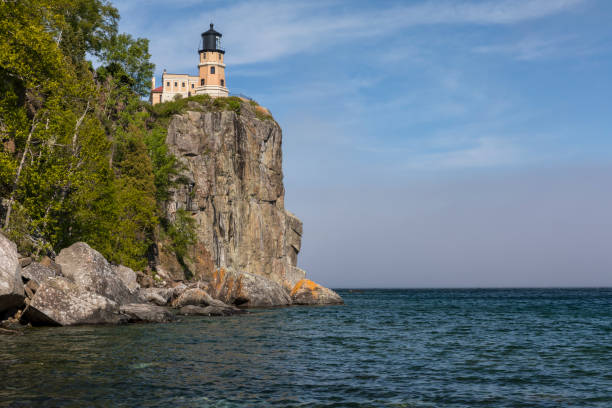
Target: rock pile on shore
x,y
81,287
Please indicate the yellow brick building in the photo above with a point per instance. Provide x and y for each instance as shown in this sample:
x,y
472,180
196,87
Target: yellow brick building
x,y
210,79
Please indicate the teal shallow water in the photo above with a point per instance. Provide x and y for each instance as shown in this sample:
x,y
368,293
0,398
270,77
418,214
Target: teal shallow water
x,y
384,348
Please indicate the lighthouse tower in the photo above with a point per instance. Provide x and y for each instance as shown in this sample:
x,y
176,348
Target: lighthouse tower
x,y
211,66
210,79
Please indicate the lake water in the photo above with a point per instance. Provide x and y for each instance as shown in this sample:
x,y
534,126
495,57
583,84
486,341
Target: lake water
x,y
384,348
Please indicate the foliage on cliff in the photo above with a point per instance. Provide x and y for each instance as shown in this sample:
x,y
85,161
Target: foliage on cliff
x,y
79,158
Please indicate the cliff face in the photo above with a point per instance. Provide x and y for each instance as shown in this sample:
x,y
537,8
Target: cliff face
x,y
245,253
234,190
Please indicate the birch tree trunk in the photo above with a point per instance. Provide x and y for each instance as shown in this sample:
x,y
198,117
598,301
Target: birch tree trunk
x,y
7,218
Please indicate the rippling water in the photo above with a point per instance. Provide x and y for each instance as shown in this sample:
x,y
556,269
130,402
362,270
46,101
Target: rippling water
x,y
384,348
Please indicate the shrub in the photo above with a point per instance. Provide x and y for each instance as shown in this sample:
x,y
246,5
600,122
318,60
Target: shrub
x,y
182,234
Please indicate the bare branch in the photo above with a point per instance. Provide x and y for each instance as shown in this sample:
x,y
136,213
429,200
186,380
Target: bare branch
x,y
7,218
77,125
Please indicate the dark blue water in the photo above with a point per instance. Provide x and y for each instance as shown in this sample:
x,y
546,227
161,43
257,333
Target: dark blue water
x,y
384,348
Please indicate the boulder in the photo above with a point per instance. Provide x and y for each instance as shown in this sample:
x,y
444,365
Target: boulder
x,y
306,292
50,263
247,290
293,276
161,296
192,310
193,296
37,272
61,302
178,289
144,280
88,269
25,261
198,297
30,288
128,277
142,312
11,286
153,297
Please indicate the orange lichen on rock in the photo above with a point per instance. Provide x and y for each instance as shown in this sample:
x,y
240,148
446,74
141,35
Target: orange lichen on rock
x,y
307,292
203,263
219,279
306,284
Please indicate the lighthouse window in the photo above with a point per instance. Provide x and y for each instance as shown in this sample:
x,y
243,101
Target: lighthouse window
x,y
192,85
168,83
202,81
183,84
176,84
222,82
212,70
203,55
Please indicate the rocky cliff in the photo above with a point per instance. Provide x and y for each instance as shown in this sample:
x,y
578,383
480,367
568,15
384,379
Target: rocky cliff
x,y
234,190
244,255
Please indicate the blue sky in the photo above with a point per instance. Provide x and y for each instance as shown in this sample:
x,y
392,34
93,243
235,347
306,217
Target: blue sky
x,y
426,143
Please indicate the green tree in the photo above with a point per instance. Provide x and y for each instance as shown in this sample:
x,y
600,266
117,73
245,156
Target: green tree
x,y
126,55
83,26
82,157
135,194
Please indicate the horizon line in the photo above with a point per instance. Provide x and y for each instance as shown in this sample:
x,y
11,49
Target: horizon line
x,y
472,287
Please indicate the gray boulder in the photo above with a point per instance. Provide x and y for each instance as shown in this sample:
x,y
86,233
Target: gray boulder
x,y
128,277
161,296
88,269
197,297
177,290
60,302
30,288
25,261
158,296
192,310
50,263
38,273
142,312
247,290
11,286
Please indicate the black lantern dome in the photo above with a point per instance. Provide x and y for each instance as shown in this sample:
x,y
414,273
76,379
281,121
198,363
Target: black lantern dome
x,y
211,41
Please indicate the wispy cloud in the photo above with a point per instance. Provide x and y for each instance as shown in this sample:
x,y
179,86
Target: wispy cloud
x,y
529,49
435,103
423,81
260,35
267,30
481,152
451,152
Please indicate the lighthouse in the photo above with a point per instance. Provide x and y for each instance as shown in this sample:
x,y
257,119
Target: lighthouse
x,y
210,79
211,66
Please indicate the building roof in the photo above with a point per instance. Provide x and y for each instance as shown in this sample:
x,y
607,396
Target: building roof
x,y
210,41
159,89
212,31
